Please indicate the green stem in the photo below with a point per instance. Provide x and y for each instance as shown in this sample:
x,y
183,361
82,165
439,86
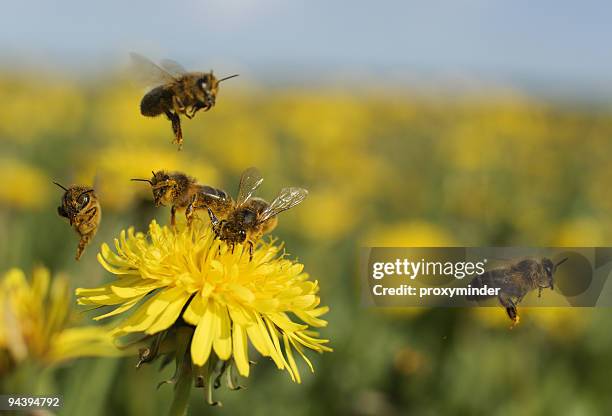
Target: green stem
x,y
182,389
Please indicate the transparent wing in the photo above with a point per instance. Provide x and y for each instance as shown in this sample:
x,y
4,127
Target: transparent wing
x,y
173,67
148,73
249,182
213,193
287,198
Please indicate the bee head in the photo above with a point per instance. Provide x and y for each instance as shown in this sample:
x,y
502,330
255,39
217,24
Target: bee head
x,y
209,86
546,281
162,186
74,200
232,232
229,231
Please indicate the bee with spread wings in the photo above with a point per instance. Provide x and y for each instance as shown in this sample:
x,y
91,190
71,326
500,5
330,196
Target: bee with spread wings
x,y
177,92
252,217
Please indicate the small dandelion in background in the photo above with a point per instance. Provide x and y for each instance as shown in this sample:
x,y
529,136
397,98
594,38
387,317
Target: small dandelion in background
x,y
37,324
200,302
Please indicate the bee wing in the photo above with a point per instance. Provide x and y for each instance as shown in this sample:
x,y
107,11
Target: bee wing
x,y
249,182
509,281
148,73
173,67
287,198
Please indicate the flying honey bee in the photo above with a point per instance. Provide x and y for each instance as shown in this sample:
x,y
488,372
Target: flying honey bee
x,y
179,190
250,217
177,92
81,207
516,280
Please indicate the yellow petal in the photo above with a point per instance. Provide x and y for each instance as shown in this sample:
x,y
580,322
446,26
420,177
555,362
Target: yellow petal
x,y
126,306
169,315
283,322
241,349
223,343
277,348
115,270
195,310
124,289
203,337
165,298
291,360
242,293
298,348
302,302
258,340
310,319
241,316
139,321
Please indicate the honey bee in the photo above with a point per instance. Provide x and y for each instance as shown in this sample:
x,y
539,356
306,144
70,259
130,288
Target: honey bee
x,y
82,208
179,190
178,92
516,280
250,217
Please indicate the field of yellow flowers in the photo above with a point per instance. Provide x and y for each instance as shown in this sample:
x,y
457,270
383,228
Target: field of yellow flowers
x,y
386,167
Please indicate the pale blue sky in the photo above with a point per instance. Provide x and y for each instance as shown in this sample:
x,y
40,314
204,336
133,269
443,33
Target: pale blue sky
x,y
531,40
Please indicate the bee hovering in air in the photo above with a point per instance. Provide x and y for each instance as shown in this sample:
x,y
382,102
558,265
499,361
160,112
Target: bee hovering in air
x,y
81,207
516,280
176,92
251,217
182,191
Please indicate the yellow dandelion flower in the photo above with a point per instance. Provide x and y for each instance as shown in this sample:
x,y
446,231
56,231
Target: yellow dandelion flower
x,y
17,193
186,278
35,323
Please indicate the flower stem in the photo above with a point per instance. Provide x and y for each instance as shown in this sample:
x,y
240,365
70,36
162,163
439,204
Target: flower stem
x,y
182,389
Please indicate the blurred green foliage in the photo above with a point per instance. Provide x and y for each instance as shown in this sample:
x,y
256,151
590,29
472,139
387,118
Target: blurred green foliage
x,y
383,167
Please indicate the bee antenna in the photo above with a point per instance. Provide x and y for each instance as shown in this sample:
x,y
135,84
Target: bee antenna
x,y
561,262
226,78
61,186
142,180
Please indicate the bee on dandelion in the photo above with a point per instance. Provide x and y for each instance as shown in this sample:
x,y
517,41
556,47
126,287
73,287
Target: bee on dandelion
x,y
192,297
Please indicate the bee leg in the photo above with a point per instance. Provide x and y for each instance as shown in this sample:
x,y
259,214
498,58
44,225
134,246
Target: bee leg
x,y
510,307
176,128
214,221
250,243
91,212
512,313
178,105
173,216
190,210
195,109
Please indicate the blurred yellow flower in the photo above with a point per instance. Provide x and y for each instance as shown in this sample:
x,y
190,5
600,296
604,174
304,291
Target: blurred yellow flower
x,y
35,323
28,187
40,106
226,298
409,234
325,215
581,232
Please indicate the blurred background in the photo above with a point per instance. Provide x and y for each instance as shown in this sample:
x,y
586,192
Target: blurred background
x,y
472,122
